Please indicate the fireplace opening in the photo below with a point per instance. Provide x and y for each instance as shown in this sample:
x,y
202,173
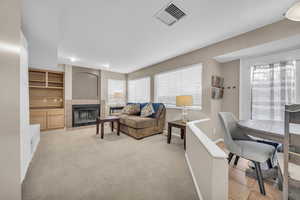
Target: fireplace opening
x,y
84,115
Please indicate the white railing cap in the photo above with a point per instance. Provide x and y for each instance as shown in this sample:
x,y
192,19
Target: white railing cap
x,y
210,146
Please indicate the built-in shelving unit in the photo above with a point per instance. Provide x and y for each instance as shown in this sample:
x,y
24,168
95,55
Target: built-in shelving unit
x,y
46,93
46,79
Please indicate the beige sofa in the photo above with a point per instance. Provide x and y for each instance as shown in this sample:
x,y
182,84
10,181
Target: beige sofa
x,y
141,127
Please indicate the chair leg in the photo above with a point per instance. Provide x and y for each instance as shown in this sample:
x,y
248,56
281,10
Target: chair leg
x,y
260,178
280,178
269,162
230,157
236,160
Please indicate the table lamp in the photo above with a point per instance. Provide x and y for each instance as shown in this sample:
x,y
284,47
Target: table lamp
x,y
183,101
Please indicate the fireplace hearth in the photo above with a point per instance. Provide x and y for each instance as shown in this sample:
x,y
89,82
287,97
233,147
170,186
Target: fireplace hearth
x,y
84,115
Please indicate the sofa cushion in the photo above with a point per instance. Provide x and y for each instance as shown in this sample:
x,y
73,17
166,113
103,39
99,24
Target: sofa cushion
x,y
147,110
131,109
137,121
156,107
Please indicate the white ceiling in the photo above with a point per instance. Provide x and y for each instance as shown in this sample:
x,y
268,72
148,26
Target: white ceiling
x,y
126,36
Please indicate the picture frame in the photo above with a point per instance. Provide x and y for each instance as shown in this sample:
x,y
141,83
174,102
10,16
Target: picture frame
x,y
217,87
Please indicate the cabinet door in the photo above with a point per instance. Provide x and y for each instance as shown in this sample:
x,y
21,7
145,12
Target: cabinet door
x,y
39,117
56,119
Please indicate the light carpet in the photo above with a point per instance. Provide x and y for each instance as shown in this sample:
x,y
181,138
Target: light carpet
x,y
75,164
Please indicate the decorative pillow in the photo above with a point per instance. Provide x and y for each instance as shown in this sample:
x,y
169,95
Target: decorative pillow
x,y
157,109
131,109
147,110
158,112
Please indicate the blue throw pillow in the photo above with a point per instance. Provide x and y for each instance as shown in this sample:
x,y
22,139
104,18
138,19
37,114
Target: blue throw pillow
x,y
143,105
155,107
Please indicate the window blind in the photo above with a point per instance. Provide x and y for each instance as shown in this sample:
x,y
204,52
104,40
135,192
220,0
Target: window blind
x,y
116,91
139,90
272,86
183,81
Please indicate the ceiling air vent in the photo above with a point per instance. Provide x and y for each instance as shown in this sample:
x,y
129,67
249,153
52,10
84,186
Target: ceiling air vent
x,y
170,14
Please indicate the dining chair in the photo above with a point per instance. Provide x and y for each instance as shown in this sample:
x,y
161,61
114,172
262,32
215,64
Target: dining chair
x,y
250,150
238,134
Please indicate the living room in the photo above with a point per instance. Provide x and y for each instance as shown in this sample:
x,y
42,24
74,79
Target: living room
x,y
105,100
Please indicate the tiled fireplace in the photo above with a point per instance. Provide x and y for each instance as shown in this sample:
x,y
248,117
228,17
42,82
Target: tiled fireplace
x,y
69,109
82,91
85,114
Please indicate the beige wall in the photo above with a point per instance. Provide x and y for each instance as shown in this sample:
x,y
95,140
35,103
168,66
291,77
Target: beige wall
x,y
68,81
215,104
10,41
276,31
231,73
86,83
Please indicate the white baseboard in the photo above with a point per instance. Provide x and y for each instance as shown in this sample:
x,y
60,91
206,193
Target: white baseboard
x,y
34,140
193,176
219,140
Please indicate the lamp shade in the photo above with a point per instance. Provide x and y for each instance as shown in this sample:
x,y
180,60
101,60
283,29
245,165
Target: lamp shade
x,y
294,12
184,100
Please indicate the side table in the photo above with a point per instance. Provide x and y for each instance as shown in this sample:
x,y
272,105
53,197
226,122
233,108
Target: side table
x,y
177,124
101,120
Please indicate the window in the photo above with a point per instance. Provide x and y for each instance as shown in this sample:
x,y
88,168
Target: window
x,y
116,92
184,81
272,86
139,90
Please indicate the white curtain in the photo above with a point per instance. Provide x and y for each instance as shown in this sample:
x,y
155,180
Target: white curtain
x,y
272,86
183,81
139,90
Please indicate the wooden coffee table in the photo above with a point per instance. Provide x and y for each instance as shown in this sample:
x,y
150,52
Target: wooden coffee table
x,y
111,119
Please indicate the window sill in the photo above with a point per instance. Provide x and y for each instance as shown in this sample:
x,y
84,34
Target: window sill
x,y
181,108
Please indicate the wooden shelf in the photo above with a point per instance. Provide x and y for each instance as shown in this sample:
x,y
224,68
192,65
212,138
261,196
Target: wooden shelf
x,y
58,82
58,88
46,98
44,87
46,108
41,87
39,81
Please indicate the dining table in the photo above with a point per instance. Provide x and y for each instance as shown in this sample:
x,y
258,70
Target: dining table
x,y
267,129
270,130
